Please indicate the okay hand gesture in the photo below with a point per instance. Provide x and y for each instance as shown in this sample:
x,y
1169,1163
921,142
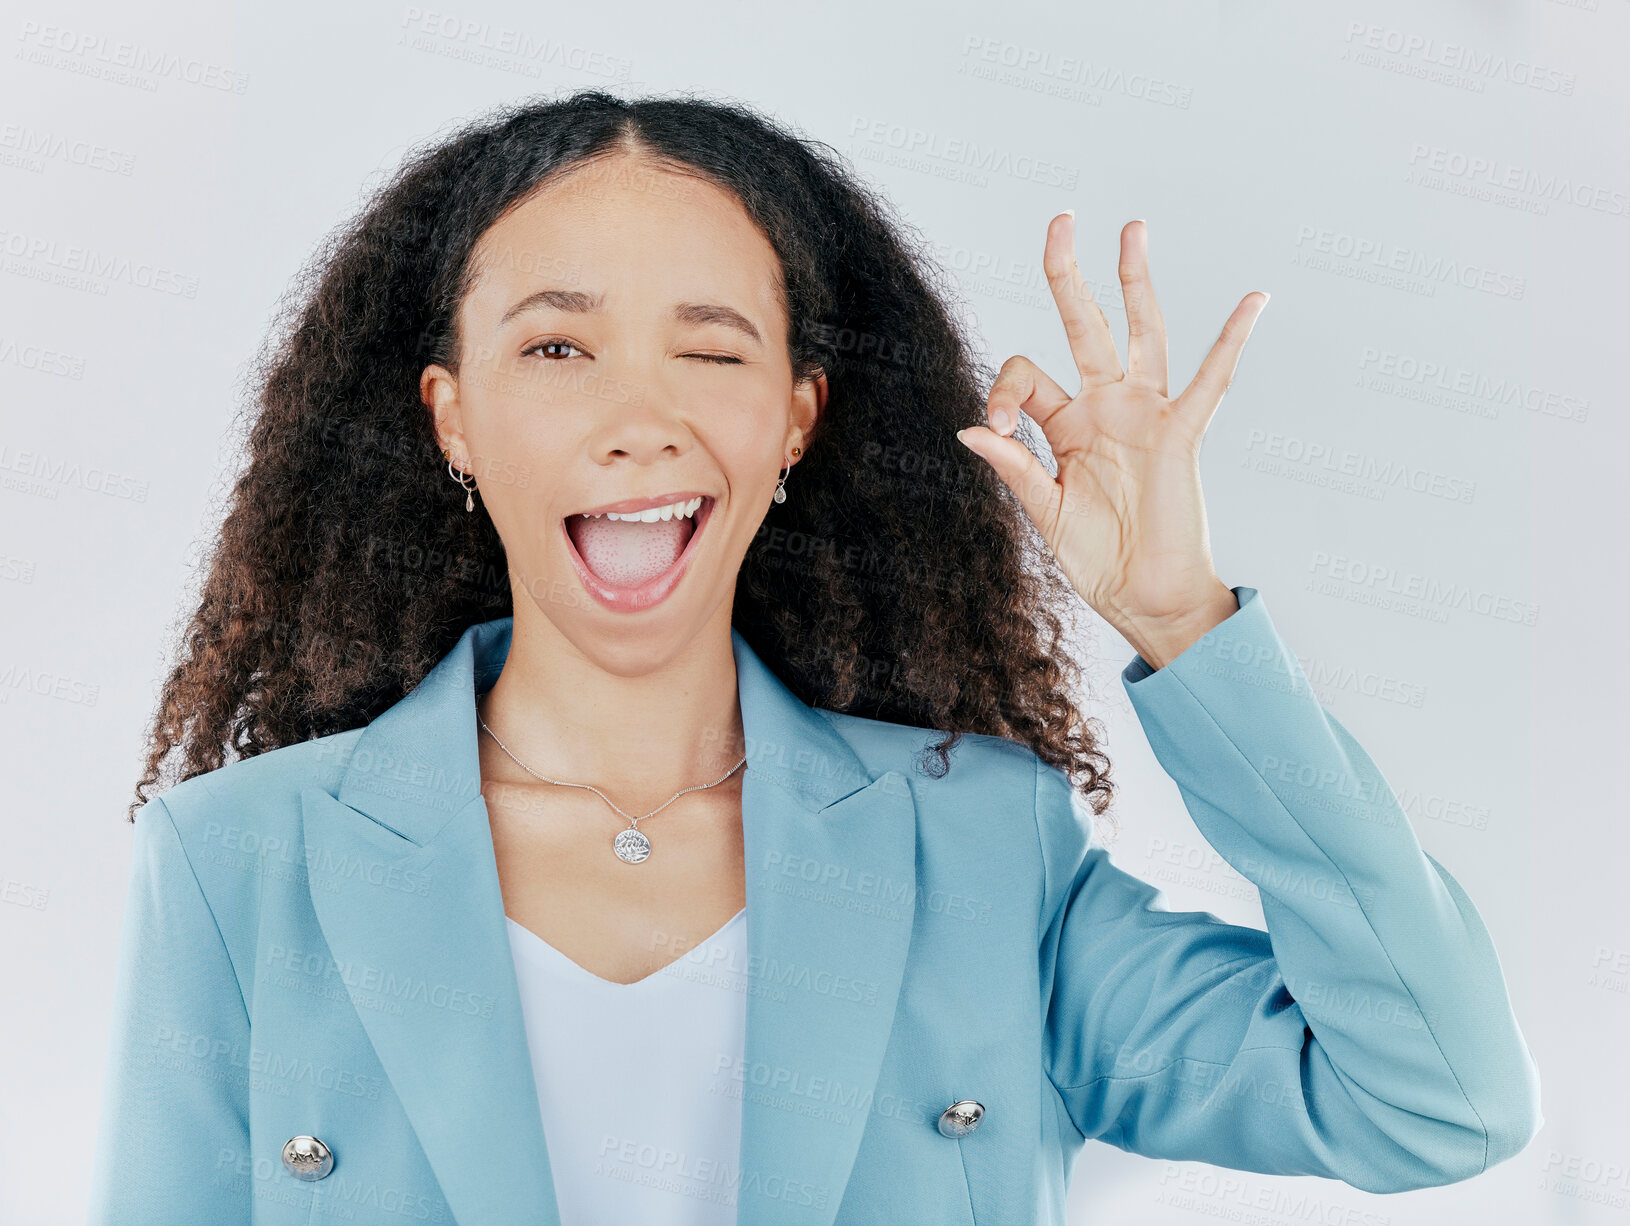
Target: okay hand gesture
x,y
1125,517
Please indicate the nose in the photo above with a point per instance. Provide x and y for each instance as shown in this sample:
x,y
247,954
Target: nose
x,y
643,429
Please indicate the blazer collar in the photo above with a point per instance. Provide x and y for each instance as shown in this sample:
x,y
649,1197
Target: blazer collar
x,y
404,884
417,764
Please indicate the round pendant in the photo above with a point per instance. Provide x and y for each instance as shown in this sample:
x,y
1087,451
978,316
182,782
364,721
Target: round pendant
x,y
632,846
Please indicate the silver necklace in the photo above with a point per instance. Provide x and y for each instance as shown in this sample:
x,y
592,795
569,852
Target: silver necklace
x,y
631,845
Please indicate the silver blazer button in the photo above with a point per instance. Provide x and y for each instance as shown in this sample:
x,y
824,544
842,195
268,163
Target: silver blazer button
x,y
307,1158
961,1118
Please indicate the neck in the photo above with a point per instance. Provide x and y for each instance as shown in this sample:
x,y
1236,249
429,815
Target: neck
x,y
638,726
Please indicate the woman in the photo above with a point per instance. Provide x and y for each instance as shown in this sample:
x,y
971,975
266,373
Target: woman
x,y
733,861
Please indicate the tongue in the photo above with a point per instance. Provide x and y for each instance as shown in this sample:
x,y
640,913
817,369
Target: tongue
x,y
627,553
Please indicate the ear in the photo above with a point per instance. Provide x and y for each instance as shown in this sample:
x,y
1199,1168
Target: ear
x,y
808,403
439,391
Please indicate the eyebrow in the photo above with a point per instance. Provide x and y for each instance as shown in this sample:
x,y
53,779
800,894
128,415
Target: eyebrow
x,y
579,302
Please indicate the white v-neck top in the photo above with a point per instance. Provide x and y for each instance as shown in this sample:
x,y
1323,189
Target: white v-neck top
x,y
639,1083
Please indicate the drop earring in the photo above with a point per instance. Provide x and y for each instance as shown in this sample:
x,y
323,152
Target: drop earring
x,y
460,476
781,481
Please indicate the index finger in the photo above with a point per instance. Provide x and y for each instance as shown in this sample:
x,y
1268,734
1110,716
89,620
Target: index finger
x,y
1216,373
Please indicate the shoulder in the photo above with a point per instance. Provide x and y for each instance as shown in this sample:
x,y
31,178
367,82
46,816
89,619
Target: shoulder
x,y
1001,829
239,835
991,776
885,746
1004,780
258,792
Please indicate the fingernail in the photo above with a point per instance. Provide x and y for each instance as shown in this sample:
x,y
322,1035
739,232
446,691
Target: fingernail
x,y
998,420
962,440
1071,212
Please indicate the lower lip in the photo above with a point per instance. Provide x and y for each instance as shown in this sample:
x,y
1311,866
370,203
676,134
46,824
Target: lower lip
x,y
655,589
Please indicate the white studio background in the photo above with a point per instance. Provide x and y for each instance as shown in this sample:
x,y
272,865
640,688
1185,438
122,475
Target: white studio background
x,y
1414,465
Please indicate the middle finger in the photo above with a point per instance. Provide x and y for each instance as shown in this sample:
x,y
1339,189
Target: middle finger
x,y
1145,328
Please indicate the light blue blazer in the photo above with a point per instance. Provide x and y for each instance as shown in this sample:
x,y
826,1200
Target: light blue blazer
x,y
314,945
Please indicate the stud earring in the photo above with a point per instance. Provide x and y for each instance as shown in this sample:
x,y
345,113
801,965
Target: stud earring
x,y
781,481
460,476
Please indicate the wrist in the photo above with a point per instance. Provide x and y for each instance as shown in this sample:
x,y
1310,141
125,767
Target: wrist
x,y
1161,640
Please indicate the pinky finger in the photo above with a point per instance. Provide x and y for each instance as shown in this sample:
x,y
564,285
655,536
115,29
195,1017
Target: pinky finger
x,y
1205,393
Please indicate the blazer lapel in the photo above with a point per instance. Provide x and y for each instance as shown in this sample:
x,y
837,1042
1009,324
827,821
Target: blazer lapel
x,y
404,883
417,935
831,896
405,886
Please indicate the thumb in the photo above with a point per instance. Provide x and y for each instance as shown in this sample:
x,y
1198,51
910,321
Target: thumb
x,y
1038,493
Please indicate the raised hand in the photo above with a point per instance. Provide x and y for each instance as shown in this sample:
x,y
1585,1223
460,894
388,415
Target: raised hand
x,y
1125,517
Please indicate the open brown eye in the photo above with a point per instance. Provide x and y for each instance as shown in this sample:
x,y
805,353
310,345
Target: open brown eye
x,y
552,343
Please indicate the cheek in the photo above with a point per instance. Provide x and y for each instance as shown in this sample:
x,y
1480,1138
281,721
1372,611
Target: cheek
x,y
527,403
517,474
745,428
749,459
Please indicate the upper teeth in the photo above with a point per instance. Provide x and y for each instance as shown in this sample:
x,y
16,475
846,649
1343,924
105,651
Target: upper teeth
x,y
680,510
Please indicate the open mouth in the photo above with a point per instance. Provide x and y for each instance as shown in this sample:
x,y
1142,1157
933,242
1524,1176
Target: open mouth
x,y
632,560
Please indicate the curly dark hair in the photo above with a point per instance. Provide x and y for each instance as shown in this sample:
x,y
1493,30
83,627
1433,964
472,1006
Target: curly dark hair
x,y
904,582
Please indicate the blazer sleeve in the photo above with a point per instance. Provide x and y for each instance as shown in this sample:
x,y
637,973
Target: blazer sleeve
x,y
175,1106
1366,1036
